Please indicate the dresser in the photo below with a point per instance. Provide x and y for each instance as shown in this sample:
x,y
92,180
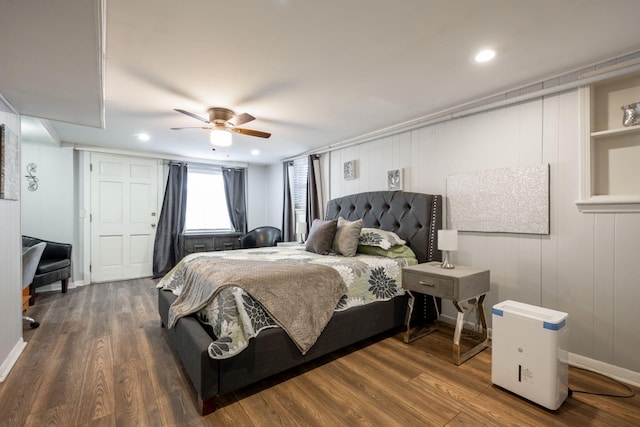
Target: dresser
x,y
190,243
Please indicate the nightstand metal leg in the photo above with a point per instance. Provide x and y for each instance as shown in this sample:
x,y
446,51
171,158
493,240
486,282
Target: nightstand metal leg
x,y
483,341
419,330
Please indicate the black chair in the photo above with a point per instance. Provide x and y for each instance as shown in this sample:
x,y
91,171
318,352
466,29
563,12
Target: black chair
x,y
260,237
54,265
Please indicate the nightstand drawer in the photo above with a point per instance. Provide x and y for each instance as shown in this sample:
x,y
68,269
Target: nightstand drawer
x,y
435,286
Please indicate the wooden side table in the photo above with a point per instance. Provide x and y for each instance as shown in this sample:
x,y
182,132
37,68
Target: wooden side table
x,y
462,285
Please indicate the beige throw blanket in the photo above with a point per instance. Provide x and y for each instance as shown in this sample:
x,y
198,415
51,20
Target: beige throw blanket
x,y
299,297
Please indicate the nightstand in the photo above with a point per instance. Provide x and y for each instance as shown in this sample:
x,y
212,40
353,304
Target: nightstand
x,y
463,285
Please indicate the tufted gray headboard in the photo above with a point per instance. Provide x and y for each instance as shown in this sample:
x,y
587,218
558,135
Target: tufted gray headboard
x,y
415,217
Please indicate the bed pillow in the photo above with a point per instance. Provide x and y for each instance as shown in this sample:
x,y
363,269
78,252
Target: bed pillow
x,y
380,238
347,237
321,236
396,251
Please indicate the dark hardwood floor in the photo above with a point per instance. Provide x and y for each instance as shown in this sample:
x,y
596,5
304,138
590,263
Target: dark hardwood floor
x,y
100,358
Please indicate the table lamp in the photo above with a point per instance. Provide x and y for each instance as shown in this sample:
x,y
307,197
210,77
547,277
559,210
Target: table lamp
x,y
301,231
447,241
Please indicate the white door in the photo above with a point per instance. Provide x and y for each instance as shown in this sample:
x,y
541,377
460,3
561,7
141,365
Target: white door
x,y
124,214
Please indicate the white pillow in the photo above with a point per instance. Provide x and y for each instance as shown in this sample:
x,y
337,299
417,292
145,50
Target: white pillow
x,y
380,238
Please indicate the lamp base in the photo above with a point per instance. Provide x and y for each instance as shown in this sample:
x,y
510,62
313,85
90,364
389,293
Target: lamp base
x,y
445,261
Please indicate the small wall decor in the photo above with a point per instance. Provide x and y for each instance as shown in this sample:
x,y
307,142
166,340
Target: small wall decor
x,y
32,180
394,179
350,169
509,200
9,165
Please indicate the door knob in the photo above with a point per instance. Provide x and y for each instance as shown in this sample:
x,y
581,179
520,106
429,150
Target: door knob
x,y
153,225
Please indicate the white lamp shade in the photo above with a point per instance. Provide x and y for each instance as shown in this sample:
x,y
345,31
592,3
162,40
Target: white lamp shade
x,y
221,138
447,240
301,227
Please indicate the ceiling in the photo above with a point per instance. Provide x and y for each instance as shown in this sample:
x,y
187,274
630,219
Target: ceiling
x,y
312,73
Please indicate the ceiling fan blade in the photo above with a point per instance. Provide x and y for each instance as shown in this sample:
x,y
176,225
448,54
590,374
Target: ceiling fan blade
x,y
192,115
251,132
193,127
241,119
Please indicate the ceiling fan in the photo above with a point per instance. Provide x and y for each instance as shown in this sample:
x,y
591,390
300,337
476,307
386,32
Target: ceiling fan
x,y
222,121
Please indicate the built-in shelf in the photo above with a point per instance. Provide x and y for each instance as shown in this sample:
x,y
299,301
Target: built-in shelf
x,y
609,204
610,179
616,131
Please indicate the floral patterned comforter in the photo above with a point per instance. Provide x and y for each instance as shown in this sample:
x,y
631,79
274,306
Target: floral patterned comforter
x,y
235,317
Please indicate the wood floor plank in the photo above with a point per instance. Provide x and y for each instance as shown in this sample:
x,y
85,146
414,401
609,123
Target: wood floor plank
x,y
106,421
364,390
135,401
396,397
62,379
96,399
58,416
123,327
78,309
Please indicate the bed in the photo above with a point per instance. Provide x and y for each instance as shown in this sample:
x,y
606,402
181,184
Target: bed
x,y
414,217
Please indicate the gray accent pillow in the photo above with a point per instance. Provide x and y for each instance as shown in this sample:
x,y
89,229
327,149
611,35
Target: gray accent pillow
x,y
321,236
347,236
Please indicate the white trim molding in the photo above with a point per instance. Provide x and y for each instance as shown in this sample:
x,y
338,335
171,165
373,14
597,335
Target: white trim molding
x,y
609,204
611,371
11,359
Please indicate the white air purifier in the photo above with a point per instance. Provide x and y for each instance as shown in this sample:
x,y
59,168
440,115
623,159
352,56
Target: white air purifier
x,y
530,351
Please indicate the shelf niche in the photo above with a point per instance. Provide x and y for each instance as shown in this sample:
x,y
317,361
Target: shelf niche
x,y
610,151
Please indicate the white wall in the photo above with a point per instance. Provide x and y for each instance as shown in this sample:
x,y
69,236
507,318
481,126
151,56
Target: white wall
x,y
587,266
11,343
275,193
257,190
49,212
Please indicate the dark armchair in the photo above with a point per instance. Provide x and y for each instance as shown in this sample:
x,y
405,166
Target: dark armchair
x,y
54,265
260,237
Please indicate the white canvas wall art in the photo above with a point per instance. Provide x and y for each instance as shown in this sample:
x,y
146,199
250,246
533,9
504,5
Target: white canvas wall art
x,y
509,200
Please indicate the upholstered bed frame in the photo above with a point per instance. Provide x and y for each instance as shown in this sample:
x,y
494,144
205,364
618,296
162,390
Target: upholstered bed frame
x,y
414,217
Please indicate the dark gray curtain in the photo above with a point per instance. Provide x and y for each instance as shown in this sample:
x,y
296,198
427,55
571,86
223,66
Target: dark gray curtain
x,y
288,211
236,202
314,204
166,252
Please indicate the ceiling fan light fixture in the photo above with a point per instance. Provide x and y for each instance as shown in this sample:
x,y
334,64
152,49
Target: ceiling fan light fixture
x,y
220,138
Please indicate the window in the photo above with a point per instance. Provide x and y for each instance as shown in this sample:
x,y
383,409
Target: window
x,y
206,202
299,185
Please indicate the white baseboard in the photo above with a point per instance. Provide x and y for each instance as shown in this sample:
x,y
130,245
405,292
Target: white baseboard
x,y
11,359
621,374
611,371
57,286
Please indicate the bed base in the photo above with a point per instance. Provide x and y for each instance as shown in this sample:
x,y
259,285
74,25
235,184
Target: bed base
x,y
272,351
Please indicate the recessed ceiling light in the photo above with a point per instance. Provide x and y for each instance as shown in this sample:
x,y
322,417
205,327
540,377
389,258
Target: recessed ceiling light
x,y
255,152
484,55
144,136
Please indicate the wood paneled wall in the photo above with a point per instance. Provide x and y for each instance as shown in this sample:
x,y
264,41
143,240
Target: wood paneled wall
x,y
587,266
10,264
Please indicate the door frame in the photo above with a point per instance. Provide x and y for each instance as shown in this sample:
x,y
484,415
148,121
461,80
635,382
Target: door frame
x,y
84,205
